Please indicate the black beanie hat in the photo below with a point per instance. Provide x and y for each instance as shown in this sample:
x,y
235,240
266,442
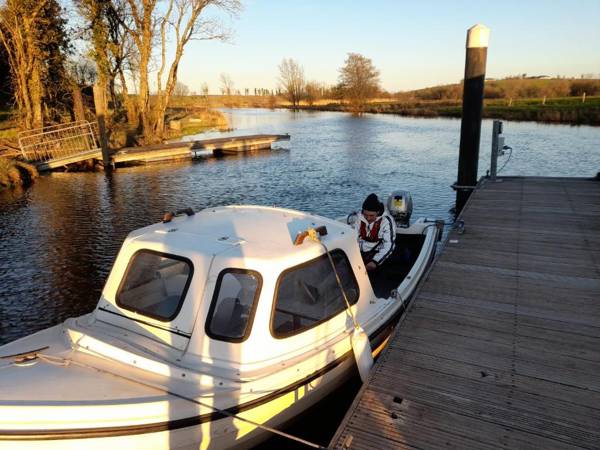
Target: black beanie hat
x,y
372,203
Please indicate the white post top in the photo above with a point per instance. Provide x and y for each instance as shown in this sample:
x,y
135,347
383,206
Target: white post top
x,y
478,36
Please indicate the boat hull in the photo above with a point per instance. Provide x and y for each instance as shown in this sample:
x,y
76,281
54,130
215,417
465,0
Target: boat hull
x,y
200,432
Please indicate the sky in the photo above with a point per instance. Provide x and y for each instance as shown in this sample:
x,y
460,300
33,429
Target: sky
x,y
414,44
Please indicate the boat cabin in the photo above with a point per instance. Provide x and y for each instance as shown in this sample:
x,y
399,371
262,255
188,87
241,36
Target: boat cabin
x,y
228,286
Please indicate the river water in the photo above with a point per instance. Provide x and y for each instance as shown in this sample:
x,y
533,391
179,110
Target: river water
x,y
59,238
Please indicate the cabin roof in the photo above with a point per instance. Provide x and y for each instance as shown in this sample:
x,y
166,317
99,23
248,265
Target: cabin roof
x,y
257,232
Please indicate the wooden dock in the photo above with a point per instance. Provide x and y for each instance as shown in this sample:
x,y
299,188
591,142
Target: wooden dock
x,y
501,346
239,144
153,153
193,149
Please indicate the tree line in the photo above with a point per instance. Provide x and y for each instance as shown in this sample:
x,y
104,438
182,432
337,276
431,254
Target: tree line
x,y
358,82
126,45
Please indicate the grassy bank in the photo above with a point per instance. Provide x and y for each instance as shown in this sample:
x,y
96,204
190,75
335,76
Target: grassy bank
x,y
191,102
178,122
183,122
568,110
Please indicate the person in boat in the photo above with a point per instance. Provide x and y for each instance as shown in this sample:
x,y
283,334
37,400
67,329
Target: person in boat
x,y
376,232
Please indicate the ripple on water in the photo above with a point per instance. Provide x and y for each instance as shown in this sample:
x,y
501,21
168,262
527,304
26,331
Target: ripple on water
x,y
60,237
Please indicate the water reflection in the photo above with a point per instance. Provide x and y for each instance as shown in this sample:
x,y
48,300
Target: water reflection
x,y
59,238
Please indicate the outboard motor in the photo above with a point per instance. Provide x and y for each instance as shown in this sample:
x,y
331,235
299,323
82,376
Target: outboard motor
x,y
400,206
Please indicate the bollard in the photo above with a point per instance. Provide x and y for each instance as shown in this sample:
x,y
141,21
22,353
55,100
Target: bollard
x,y
470,128
496,131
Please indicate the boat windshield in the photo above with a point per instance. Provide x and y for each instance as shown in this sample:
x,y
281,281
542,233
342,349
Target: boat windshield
x,y
309,294
233,305
155,284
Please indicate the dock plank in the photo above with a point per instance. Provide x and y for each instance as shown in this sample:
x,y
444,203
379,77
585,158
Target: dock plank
x,y
501,346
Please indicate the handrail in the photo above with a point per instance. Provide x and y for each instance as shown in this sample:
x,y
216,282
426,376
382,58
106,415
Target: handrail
x,y
58,141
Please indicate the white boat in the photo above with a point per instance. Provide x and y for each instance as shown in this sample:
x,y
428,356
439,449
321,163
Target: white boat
x,y
210,326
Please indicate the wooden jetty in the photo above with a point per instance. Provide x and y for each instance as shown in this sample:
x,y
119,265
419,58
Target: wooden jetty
x,y
192,149
153,153
239,144
501,346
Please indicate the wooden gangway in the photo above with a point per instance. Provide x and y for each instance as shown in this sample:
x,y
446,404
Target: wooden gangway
x,y
501,346
60,145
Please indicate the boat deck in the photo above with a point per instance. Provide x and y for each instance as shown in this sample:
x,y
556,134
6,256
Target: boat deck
x,y
501,346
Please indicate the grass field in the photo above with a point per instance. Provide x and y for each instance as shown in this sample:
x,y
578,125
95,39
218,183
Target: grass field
x,y
558,110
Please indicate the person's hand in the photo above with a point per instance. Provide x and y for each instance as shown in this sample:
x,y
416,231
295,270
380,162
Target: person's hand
x,y
371,266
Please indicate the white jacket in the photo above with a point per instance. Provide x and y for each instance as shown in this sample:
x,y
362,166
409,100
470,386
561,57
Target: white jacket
x,y
386,236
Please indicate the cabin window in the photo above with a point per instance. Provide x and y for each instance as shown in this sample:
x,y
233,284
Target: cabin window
x,y
233,305
155,284
309,294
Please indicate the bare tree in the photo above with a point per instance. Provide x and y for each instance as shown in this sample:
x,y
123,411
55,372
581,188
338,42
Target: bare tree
x,y
291,77
359,80
181,89
181,22
204,92
83,71
312,92
226,84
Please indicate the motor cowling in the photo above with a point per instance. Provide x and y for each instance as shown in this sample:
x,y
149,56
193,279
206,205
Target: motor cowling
x,y
399,205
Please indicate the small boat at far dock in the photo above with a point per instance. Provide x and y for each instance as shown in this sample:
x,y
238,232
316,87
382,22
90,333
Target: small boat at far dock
x,y
212,326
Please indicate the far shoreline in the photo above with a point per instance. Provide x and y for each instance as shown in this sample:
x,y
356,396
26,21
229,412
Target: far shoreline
x,y
569,114
561,110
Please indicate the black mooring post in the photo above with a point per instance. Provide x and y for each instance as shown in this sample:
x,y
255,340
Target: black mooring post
x,y
100,106
470,127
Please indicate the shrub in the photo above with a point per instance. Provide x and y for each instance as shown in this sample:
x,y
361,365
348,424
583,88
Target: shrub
x,y
448,92
493,91
590,87
531,91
